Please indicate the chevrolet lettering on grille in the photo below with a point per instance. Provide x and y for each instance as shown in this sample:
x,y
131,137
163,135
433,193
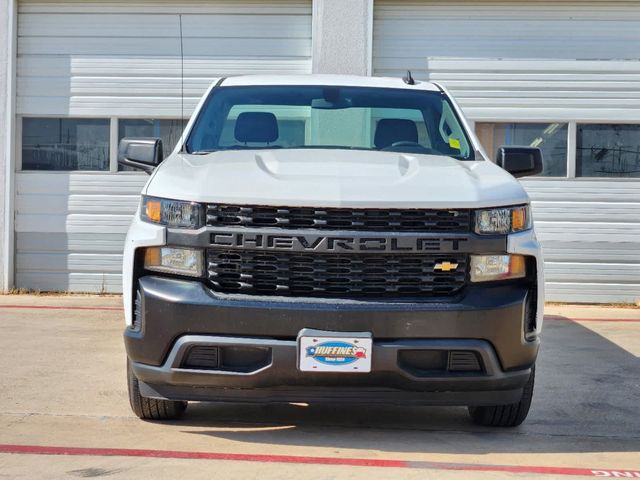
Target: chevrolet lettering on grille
x,y
342,243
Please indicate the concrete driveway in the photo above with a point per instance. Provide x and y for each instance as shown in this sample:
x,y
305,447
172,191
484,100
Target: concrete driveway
x,y
64,412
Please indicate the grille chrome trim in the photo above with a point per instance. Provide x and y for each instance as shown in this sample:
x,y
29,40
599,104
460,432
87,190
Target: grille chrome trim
x,y
383,220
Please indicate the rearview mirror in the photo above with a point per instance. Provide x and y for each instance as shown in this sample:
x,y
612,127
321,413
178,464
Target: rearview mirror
x,y
141,153
520,161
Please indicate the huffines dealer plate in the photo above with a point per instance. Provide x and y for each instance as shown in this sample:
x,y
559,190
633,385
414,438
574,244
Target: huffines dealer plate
x,y
334,351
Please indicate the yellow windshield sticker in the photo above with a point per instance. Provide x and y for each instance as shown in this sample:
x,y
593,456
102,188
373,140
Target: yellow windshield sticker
x,y
454,143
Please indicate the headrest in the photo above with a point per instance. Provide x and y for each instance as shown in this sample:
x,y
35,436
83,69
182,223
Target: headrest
x,y
256,127
392,130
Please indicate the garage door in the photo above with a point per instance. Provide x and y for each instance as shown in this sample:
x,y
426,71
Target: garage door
x,y
90,72
561,75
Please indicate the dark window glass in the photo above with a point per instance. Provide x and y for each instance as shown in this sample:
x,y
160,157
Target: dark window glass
x,y
65,144
168,130
363,118
606,150
551,138
290,133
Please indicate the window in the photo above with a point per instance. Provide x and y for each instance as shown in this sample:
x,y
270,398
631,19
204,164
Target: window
x,y
168,130
399,120
291,122
551,138
65,144
607,150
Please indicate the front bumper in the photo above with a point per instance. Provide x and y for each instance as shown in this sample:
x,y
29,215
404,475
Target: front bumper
x,y
178,315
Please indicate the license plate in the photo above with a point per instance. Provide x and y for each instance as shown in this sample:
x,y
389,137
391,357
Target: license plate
x,y
335,353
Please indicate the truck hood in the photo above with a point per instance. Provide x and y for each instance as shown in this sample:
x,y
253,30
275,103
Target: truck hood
x,y
334,178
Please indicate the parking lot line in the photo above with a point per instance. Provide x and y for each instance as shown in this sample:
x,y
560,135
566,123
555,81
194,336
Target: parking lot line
x,y
293,459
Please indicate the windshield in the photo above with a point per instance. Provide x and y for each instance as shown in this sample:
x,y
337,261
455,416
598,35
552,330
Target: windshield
x,y
363,118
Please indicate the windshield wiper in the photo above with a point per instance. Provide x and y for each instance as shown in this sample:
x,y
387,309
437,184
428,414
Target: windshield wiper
x,y
202,152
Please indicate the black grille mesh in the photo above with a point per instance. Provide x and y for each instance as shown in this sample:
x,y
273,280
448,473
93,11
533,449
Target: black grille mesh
x,y
339,218
332,275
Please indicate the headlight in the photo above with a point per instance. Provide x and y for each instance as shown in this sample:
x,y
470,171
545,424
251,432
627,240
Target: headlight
x,y
487,268
503,220
179,261
172,213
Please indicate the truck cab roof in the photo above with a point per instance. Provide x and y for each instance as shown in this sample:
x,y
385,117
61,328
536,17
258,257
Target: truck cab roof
x,y
327,80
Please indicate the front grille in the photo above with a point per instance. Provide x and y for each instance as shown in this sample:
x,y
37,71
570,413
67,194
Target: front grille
x,y
334,275
415,220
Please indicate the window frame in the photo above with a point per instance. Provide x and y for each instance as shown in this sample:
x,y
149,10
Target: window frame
x,y
572,139
601,122
570,147
572,143
113,142
18,164
115,133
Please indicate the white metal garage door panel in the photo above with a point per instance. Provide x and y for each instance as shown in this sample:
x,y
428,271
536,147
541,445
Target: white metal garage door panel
x,y
122,59
70,229
537,61
590,231
407,32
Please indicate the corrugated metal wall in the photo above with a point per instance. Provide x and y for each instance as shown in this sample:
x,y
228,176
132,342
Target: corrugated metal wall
x,y
406,32
123,58
109,59
537,61
541,89
70,229
590,232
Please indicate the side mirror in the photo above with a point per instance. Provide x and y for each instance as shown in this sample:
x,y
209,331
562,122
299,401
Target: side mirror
x,y
520,161
141,153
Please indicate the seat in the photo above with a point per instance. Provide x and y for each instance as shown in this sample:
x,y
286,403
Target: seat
x,y
392,130
256,127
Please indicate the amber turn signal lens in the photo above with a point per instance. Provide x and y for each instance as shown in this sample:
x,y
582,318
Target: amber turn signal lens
x,y
152,257
153,210
517,266
518,219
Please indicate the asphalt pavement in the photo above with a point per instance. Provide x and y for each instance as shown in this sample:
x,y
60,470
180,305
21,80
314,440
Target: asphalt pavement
x,y
64,412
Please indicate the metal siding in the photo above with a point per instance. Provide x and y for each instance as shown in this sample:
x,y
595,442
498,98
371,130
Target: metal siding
x,y
540,61
556,61
123,59
406,32
70,229
542,90
590,231
103,59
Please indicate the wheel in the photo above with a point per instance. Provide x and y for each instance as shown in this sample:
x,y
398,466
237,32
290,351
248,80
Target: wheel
x,y
510,415
151,408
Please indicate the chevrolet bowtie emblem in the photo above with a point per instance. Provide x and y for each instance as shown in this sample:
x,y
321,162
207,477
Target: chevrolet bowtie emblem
x,y
445,266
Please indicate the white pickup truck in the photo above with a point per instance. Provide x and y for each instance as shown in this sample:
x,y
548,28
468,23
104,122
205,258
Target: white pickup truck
x,y
332,239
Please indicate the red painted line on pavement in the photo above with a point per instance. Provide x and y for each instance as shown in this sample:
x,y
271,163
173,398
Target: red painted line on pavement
x,y
570,319
541,470
354,462
56,307
125,452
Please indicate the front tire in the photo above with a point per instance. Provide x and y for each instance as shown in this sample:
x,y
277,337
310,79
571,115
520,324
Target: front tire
x,y
151,408
510,415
